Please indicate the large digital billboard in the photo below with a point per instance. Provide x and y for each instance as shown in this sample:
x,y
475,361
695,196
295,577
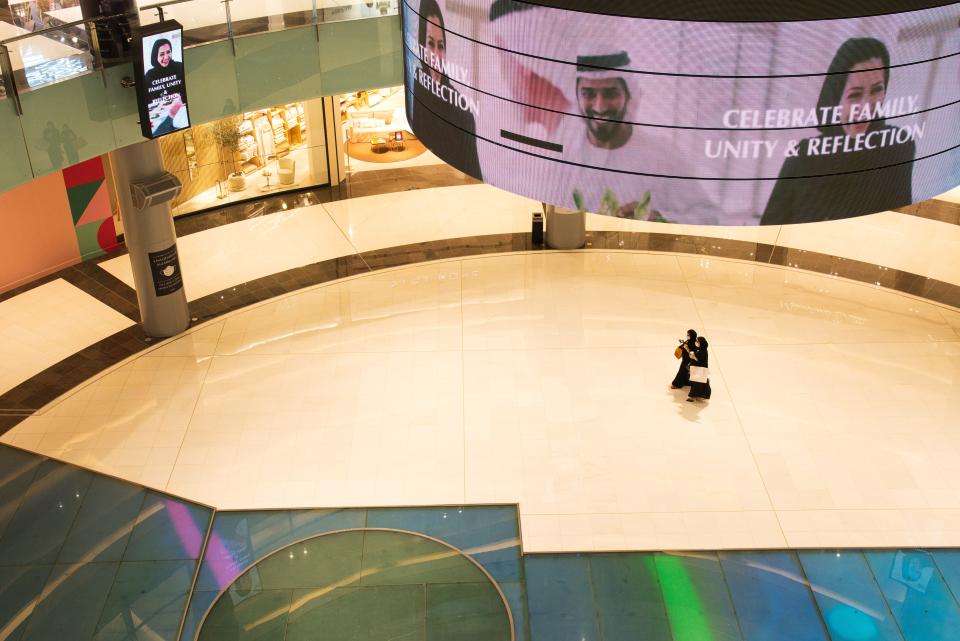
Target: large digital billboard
x,y
161,80
722,123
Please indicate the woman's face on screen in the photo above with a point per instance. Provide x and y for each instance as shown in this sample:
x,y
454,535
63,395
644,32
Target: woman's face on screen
x,y
436,46
165,55
866,86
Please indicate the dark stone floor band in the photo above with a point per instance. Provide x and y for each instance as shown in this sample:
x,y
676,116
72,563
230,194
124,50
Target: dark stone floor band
x,y
46,386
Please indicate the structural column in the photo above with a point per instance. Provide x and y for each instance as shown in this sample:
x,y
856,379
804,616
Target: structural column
x,y
145,190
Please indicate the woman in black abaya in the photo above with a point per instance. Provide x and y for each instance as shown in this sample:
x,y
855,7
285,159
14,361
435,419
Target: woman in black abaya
x,y
439,118
813,187
699,358
682,379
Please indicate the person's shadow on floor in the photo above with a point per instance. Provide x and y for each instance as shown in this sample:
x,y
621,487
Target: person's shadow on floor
x,y
689,411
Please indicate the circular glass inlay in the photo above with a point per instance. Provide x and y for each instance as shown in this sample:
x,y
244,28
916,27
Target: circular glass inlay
x,y
361,585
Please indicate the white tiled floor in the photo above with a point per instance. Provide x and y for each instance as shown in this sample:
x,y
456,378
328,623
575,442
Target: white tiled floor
x,y
223,257
543,379
219,258
952,196
46,324
423,215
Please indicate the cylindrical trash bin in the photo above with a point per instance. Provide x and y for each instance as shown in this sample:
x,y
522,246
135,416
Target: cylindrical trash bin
x,y
566,228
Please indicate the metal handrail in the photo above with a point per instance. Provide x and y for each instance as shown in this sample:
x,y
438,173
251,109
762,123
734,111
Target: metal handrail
x,y
160,5
65,25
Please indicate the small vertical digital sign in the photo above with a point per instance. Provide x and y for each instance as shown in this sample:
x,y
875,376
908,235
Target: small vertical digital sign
x,y
161,81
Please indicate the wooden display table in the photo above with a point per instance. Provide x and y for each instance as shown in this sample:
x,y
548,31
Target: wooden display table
x,y
379,145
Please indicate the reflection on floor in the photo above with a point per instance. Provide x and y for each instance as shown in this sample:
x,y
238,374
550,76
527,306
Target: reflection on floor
x,y
952,196
541,379
219,258
359,185
86,557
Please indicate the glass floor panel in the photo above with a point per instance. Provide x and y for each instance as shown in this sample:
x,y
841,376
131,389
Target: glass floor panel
x,y
89,557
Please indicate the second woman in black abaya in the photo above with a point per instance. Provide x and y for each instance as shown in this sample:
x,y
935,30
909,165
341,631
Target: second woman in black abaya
x,y
699,357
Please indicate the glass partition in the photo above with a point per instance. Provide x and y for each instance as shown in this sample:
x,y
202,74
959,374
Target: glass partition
x,y
49,57
63,48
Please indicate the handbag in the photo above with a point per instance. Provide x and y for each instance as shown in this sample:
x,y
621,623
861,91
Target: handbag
x,y
678,352
699,374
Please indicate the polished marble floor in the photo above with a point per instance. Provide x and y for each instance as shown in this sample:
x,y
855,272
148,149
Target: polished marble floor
x,y
46,324
216,259
542,379
952,196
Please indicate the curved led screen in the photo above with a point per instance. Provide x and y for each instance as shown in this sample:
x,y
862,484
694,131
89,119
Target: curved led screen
x,y
720,123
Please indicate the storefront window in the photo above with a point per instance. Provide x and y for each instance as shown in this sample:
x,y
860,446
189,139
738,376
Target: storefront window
x,y
375,134
247,156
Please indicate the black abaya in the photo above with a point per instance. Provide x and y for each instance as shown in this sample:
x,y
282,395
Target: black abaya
x,y
682,379
700,390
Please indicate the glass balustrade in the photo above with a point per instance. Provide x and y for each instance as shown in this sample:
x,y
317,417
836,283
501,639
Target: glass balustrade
x,y
60,45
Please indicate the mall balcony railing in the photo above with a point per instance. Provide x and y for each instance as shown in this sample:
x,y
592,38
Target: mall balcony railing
x,y
240,55
73,46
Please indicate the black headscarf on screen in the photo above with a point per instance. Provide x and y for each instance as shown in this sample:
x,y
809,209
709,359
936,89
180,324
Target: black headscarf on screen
x,y
450,134
430,12
853,52
502,8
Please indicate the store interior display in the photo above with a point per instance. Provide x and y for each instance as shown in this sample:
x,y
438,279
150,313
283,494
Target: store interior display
x,y
375,131
374,114
244,156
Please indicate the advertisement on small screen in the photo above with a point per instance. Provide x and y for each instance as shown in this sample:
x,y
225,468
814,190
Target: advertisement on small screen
x,y
161,87
714,123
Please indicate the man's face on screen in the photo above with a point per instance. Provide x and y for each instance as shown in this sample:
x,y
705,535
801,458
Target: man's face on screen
x,y
604,102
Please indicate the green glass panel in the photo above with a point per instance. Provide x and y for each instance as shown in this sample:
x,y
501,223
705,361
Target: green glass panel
x,y
361,54
696,598
247,615
14,161
109,511
67,122
325,562
391,558
466,612
211,82
378,613
146,601
70,604
19,469
279,67
19,586
123,106
628,598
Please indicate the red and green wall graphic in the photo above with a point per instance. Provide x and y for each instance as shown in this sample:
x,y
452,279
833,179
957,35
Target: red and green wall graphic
x,y
90,207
